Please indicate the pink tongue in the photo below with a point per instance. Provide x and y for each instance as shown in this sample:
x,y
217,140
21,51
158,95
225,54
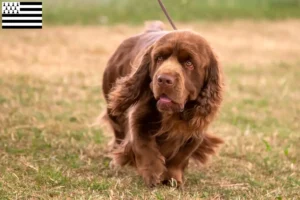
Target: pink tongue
x,y
165,99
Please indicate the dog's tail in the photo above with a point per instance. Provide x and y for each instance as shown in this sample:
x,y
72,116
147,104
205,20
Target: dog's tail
x,y
154,26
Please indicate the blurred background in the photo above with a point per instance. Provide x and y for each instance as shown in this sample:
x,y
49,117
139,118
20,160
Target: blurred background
x,y
136,11
52,144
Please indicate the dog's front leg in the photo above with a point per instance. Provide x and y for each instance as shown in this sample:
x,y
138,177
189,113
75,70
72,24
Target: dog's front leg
x,y
149,161
178,163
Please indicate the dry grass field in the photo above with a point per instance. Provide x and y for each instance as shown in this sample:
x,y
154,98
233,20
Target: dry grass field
x,y
52,146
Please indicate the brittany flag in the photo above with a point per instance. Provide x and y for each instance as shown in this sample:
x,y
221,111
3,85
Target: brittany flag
x,y
17,15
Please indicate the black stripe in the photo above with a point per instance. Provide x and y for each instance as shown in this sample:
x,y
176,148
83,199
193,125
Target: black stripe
x,y
22,21
30,9
30,3
21,15
21,27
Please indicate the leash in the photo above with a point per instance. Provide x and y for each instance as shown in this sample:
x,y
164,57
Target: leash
x,y
167,15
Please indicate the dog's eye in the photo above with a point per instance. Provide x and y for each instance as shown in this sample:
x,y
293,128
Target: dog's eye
x,y
189,65
159,59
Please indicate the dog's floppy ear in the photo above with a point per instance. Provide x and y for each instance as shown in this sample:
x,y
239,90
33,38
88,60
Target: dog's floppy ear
x,y
210,97
129,89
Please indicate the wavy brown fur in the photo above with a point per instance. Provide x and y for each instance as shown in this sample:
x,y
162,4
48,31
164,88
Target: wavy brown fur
x,y
160,141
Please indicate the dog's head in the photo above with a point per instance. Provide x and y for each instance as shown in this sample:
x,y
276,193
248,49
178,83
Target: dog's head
x,y
179,69
181,63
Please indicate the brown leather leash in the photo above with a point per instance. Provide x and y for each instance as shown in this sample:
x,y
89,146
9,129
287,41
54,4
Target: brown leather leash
x,y
167,15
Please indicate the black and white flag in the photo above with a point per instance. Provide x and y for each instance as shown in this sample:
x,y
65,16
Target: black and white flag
x,y
22,15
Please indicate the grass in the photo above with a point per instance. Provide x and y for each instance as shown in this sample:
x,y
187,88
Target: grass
x,y
136,11
50,97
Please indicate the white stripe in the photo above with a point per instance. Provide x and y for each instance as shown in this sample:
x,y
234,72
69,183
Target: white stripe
x,y
30,6
22,24
30,12
21,18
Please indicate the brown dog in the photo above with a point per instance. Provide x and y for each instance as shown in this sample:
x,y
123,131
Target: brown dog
x,y
163,89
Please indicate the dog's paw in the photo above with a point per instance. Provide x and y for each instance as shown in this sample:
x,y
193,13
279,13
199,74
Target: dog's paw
x,y
173,177
151,180
153,176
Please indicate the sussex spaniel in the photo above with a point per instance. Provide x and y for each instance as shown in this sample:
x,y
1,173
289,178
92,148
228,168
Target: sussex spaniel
x,y
163,89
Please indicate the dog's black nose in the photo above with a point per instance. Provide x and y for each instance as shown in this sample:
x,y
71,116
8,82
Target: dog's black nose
x,y
165,80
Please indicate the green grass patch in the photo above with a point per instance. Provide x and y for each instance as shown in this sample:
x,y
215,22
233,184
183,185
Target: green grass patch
x,y
50,151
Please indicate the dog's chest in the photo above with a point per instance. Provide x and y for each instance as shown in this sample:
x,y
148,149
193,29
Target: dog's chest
x,y
175,128
169,148
175,137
